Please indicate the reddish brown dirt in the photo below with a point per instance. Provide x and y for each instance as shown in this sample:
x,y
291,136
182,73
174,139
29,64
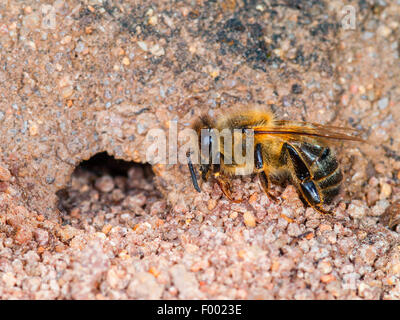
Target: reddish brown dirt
x,y
101,74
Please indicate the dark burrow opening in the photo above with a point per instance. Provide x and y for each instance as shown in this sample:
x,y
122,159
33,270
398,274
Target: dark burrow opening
x,y
107,191
104,164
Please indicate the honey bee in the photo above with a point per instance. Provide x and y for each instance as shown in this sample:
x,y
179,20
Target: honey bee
x,y
294,150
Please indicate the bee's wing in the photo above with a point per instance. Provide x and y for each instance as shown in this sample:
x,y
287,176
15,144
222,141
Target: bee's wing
x,y
292,123
298,128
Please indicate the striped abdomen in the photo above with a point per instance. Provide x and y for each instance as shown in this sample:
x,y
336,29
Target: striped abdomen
x,y
321,170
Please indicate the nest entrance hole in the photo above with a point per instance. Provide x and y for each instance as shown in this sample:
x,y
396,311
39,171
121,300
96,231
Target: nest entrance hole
x,y
103,164
104,188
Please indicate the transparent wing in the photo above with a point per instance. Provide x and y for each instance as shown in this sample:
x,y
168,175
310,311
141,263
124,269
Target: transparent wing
x,y
298,128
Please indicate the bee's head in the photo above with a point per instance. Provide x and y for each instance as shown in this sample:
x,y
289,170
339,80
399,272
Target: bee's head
x,y
203,127
204,122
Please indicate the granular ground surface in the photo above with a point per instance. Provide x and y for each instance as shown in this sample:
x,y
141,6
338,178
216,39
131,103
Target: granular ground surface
x,y
88,79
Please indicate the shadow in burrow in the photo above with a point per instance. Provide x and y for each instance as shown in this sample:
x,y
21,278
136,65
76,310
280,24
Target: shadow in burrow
x,y
104,191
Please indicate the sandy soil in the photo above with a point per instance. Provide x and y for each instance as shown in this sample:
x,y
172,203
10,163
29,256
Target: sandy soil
x,y
85,78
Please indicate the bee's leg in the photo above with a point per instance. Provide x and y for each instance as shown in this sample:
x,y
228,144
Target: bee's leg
x,y
262,176
262,172
224,184
322,210
307,186
205,171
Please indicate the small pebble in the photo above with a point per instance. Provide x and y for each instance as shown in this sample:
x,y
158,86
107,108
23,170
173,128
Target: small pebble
x,y
386,191
5,174
153,20
384,31
326,278
134,202
3,186
41,236
125,61
105,184
357,209
249,219
379,208
33,129
106,229
142,45
117,195
157,50
372,197
233,215
325,267
383,103
67,92
66,40
211,204
9,279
